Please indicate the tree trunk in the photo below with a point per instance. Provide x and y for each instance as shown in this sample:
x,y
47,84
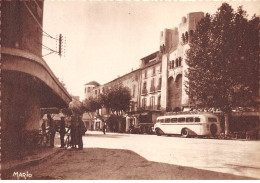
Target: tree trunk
x,y
226,123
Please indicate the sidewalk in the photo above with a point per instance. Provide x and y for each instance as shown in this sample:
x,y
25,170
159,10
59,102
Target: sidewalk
x,y
37,156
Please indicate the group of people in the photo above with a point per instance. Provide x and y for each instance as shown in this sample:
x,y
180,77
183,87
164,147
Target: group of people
x,y
76,129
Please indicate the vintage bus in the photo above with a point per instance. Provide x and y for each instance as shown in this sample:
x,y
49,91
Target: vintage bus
x,y
201,124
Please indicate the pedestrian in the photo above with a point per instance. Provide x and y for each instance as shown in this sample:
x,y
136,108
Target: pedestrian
x,y
43,126
81,131
73,130
52,130
62,132
104,127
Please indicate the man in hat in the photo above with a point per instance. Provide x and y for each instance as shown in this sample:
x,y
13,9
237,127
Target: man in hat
x,y
52,130
62,131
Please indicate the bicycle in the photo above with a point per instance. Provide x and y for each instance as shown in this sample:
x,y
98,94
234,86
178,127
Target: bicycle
x,y
43,139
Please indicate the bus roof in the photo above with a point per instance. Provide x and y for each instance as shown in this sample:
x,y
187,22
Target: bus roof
x,y
187,115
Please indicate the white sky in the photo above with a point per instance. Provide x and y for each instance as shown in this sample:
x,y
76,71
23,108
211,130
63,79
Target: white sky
x,y
105,40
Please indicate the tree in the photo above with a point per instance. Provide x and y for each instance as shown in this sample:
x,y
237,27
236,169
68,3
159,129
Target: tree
x,y
116,99
91,104
223,61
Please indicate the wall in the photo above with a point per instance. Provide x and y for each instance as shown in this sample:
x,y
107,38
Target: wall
x,y
20,111
20,30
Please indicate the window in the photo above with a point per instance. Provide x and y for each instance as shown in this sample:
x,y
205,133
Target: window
x,y
144,86
85,90
144,102
197,119
186,36
174,120
159,84
212,119
159,102
153,70
152,82
145,73
95,91
162,120
189,119
177,62
181,120
167,120
183,38
152,101
173,64
180,61
88,89
191,34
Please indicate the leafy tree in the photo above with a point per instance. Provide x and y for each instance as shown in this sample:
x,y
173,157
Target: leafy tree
x,y
223,61
91,104
116,99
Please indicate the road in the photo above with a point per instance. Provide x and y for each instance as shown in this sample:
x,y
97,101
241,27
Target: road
x,y
226,156
133,157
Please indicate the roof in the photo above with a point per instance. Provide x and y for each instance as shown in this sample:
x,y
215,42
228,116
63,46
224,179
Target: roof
x,y
122,76
151,56
93,83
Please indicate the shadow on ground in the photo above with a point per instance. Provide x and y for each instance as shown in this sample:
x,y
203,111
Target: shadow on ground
x,y
114,164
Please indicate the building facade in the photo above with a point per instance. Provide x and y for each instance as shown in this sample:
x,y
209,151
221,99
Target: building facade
x,y
158,86
150,82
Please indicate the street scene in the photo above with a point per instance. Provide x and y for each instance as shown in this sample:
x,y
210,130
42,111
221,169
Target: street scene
x,y
130,90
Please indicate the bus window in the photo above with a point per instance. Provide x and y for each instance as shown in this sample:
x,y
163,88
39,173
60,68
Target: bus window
x,y
161,120
197,119
181,120
167,120
189,119
174,120
212,119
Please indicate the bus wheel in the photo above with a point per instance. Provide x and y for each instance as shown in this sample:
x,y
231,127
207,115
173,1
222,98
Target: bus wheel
x,y
157,131
185,132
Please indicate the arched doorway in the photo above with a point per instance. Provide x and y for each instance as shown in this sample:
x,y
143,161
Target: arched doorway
x,y
174,93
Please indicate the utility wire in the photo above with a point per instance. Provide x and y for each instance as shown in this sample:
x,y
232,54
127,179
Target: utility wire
x,y
48,53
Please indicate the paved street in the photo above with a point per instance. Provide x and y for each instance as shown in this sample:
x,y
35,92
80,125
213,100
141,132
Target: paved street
x,y
227,156
130,156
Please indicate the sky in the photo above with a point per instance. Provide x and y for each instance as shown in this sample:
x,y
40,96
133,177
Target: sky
x,y
105,40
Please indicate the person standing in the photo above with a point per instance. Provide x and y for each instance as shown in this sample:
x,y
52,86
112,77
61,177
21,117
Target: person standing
x,y
52,130
104,127
73,131
81,132
43,126
62,132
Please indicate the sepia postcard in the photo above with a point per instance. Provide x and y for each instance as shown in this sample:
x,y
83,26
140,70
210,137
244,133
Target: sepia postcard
x,y
130,90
